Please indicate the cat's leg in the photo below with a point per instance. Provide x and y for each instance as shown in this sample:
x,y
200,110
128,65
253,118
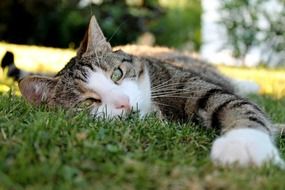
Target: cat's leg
x,y
247,139
245,146
246,133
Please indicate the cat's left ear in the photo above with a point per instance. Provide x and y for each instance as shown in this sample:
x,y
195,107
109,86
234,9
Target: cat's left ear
x,y
37,89
94,40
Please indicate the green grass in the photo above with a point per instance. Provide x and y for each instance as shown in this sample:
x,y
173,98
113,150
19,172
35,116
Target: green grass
x,y
57,149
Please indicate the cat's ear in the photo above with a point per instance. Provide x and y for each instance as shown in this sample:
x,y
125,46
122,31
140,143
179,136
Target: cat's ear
x,y
37,89
94,40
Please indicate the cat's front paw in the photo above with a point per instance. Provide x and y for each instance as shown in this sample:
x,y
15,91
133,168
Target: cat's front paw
x,y
245,147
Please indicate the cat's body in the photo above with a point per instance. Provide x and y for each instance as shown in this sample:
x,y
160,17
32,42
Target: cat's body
x,y
177,87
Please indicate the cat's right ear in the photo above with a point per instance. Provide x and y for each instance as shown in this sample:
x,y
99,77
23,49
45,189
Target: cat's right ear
x,y
94,40
37,89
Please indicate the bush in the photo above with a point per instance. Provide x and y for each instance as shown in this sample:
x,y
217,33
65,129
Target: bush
x,y
252,24
181,25
61,23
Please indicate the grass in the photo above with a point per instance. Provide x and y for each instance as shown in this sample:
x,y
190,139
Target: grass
x,y
57,149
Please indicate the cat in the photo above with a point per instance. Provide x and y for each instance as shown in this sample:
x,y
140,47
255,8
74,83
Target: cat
x,y
113,83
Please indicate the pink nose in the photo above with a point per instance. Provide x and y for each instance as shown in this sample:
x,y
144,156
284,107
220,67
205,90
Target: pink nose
x,y
122,103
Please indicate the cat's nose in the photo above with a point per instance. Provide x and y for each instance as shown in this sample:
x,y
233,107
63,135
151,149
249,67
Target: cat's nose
x,y
123,102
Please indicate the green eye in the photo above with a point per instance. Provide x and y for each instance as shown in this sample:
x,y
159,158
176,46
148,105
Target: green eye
x,y
86,103
89,102
117,74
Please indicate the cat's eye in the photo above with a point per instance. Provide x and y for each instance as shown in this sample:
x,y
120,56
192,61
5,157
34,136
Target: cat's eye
x,y
89,102
117,74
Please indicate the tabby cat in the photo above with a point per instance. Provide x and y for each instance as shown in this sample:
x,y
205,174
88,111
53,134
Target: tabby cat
x,y
114,83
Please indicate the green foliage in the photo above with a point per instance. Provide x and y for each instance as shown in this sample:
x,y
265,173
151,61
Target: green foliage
x,y
275,35
240,18
250,24
44,148
181,23
61,23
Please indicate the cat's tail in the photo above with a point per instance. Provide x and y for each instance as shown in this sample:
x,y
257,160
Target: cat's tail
x,y
13,71
245,87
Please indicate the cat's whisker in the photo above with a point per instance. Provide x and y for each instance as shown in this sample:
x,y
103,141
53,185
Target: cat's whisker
x,y
165,82
174,96
170,95
162,84
165,89
117,30
174,92
178,89
170,87
165,85
162,104
166,96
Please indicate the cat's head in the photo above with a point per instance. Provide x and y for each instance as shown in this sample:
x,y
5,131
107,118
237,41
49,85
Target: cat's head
x,y
107,82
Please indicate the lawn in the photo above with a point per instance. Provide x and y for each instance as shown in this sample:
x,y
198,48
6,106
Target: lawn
x,y
56,149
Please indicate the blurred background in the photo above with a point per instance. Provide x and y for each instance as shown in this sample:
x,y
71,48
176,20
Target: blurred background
x,y
251,30
227,32
62,23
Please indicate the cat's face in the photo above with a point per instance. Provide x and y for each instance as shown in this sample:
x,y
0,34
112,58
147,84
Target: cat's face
x,y
106,83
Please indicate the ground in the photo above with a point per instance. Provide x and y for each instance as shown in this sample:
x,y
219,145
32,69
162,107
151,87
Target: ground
x,y
44,148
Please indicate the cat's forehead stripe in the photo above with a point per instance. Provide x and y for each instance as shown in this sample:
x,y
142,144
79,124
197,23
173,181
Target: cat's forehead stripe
x,y
90,66
127,59
103,66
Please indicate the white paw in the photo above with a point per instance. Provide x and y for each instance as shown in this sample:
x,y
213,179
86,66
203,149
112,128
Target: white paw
x,y
245,147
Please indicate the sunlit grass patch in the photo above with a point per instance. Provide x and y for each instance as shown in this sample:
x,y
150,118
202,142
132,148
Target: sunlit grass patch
x,y
36,58
33,59
7,84
271,81
4,88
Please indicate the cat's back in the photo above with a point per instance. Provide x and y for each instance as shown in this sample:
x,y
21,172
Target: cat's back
x,y
162,53
179,63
